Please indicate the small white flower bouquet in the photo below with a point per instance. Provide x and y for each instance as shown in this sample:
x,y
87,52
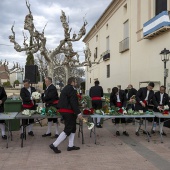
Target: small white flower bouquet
x,y
36,95
28,112
89,125
166,107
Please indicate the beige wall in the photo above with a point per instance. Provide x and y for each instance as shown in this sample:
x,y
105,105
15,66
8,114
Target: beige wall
x,y
142,62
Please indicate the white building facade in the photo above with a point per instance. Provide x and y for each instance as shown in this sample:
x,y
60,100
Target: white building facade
x,y
129,37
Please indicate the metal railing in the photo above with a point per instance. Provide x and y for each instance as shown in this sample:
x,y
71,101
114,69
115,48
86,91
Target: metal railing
x,y
124,45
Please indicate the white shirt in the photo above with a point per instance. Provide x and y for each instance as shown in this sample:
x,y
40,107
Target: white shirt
x,y
147,95
161,98
29,89
118,98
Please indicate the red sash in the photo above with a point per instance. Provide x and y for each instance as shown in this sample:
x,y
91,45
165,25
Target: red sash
x,y
66,110
28,106
96,98
145,102
55,102
119,104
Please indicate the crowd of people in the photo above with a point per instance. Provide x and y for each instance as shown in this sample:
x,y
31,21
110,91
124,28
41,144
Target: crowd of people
x,y
145,97
68,106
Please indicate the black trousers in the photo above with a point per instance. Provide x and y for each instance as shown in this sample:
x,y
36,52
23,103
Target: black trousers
x,y
69,122
117,120
2,121
52,119
96,104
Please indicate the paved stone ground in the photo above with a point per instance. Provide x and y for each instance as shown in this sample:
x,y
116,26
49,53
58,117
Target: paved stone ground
x,y
110,152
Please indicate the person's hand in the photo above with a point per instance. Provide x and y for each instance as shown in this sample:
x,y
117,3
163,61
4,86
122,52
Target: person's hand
x,y
143,104
0,101
160,108
80,116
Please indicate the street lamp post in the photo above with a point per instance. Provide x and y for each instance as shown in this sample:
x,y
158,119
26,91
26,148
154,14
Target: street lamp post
x,y
165,58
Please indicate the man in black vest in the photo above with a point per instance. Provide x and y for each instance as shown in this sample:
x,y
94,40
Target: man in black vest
x,y
3,97
27,103
160,100
96,92
144,97
69,109
50,98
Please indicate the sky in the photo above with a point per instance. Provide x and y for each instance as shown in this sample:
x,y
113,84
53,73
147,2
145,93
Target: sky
x,y
45,11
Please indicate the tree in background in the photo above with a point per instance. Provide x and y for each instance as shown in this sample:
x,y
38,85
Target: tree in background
x,y
30,56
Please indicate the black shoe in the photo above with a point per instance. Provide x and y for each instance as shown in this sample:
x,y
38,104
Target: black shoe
x,y
137,133
56,135
31,133
22,136
163,133
99,126
125,133
117,133
55,149
152,131
113,120
144,132
72,148
45,135
4,137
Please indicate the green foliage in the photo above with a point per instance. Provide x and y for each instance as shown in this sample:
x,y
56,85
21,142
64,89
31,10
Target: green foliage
x,y
16,82
7,84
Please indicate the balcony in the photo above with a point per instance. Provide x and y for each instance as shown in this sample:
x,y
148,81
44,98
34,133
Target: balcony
x,y
157,25
124,45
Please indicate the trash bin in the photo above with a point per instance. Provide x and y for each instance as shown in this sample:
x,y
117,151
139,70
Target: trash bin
x,y
13,106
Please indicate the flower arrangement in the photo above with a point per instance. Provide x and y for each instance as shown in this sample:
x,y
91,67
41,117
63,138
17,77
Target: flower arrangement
x,y
28,112
165,110
132,100
88,111
36,96
89,125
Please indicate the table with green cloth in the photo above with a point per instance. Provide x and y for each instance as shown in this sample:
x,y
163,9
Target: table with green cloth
x,y
106,117
8,116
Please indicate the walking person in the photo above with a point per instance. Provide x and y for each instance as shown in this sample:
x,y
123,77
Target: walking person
x,y
69,109
50,98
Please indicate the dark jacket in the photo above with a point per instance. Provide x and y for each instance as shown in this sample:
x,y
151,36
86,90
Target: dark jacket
x,y
157,98
131,92
68,99
141,95
50,95
3,97
25,95
122,96
96,91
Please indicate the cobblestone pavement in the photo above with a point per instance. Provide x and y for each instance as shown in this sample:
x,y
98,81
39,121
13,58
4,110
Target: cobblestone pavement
x,y
110,152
